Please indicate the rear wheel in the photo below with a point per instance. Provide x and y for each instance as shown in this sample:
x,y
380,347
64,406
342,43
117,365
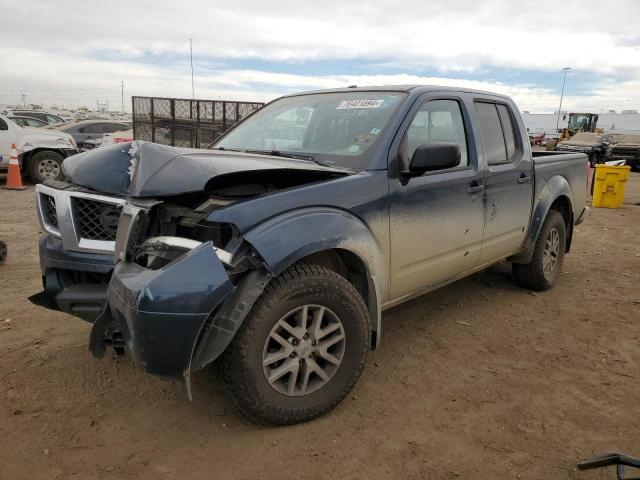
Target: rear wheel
x,y
45,165
548,255
300,350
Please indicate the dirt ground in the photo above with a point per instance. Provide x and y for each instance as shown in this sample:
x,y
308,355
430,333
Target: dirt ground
x,y
478,380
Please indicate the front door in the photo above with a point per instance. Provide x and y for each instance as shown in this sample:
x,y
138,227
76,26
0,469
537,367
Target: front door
x,y
437,219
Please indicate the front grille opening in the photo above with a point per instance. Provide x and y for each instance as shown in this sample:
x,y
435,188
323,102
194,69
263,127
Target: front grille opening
x,y
96,220
49,211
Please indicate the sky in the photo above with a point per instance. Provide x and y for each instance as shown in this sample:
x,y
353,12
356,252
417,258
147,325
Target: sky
x,y
72,53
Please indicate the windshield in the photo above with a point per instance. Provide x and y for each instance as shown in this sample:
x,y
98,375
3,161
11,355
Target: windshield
x,y
331,128
578,121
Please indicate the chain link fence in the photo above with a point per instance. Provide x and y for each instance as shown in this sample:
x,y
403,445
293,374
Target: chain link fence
x,y
186,123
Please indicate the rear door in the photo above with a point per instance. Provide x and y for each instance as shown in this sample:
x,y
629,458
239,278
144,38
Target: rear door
x,y
436,219
508,181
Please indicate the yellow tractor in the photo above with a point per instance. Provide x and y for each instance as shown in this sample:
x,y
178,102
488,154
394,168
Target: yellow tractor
x,y
578,122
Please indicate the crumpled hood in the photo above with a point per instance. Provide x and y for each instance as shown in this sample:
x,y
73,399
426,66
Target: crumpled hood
x,y
144,169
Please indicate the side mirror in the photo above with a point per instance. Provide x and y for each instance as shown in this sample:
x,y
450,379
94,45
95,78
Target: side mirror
x,y
434,156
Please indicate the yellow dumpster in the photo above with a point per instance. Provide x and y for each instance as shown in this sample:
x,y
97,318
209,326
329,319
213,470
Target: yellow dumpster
x,y
608,189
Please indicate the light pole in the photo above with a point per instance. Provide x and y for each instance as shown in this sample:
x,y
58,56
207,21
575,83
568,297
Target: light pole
x,y
193,90
564,78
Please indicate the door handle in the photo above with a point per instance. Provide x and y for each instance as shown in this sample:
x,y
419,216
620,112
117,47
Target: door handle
x,y
474,188
524,178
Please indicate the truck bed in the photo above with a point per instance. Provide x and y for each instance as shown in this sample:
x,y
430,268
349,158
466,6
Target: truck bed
x,y
571,166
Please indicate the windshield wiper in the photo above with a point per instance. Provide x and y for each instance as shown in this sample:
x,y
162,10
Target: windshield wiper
x,y
278,153
225,149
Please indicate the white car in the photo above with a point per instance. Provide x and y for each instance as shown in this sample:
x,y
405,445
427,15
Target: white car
x,y
40,151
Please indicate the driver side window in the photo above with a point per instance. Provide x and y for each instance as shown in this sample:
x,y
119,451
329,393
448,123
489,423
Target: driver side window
x,y
437,121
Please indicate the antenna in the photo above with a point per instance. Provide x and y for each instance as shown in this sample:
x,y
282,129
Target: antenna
x,y
193,90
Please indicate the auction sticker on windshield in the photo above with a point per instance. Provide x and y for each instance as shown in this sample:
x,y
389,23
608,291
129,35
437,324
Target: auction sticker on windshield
x,y
362,103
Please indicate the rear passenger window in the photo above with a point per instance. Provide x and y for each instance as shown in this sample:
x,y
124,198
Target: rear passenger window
x,y
492,133
498,132
437,121
507,129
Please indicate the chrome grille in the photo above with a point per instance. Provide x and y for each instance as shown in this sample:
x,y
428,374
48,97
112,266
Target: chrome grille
x,y
49,210
96,220
84,221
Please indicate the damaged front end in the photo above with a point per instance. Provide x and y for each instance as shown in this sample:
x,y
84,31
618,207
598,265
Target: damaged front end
x,y
180,288
181,283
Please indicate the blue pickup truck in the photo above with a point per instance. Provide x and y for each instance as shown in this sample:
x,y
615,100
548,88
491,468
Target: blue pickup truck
x,y
274,251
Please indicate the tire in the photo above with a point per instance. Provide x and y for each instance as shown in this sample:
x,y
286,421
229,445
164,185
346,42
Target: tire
x,y
45,165
284,300
594,159
538,275
3,252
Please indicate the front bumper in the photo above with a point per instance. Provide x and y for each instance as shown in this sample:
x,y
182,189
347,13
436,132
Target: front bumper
x,y
73,282
157,315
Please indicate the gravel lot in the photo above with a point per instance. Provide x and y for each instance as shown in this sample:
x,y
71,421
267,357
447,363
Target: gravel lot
x,y
478,380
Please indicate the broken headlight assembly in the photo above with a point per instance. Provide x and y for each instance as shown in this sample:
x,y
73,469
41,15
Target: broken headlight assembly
x,y
156,252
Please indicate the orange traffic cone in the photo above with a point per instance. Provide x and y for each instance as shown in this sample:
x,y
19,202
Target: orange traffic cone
x,y
14,179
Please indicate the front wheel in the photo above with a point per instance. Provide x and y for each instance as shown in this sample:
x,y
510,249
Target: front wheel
x,y
548,255
45,165
300,350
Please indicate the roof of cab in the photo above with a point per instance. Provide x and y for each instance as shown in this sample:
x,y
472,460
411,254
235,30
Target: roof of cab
x,y
400,88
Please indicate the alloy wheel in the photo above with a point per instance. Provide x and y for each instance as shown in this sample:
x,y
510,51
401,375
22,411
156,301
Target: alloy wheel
x,y
303,350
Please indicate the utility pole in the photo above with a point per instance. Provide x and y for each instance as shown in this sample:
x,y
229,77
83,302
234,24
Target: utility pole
x,y
193,90
564,78
24,102
122,94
